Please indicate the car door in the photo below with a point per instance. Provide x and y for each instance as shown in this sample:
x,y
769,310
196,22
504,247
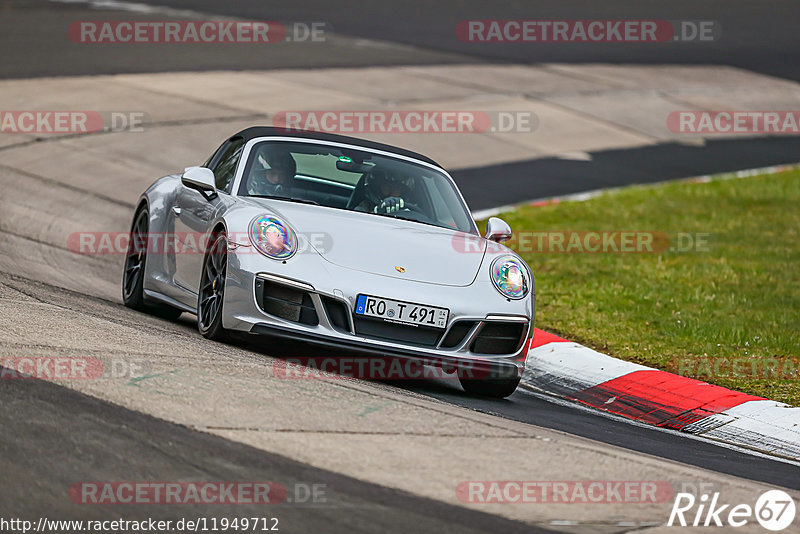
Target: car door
x,y
193,214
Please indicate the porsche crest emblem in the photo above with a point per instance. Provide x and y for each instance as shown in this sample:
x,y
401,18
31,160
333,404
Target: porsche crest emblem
x,y
399,269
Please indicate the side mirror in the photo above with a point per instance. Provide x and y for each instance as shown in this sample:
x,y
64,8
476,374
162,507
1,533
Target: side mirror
x,y
201,179
498,230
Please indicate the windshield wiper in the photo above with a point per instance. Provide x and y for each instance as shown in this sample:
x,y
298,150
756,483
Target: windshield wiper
x,y
287,199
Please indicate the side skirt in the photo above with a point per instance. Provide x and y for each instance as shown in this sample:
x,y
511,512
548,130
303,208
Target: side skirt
x,y
160,297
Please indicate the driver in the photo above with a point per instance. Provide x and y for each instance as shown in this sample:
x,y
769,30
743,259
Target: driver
x,y
273,171
383,193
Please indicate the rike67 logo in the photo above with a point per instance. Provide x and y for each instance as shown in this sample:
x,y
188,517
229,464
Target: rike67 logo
x,y
774,510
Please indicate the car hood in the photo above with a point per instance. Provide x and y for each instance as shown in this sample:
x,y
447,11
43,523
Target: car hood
x,y
384,246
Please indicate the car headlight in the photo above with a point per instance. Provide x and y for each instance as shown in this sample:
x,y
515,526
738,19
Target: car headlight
x,y
273,237
510,277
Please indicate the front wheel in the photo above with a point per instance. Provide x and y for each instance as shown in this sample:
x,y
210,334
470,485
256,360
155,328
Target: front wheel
x,y
212,291
498,388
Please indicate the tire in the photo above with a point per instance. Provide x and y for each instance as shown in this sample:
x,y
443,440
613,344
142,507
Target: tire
x,y
497,388
133,271
212,290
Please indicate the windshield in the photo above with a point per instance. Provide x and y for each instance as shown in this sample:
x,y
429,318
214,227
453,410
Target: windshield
x,y
355,180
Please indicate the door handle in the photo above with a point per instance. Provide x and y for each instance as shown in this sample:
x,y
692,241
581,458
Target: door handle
x,y
176,210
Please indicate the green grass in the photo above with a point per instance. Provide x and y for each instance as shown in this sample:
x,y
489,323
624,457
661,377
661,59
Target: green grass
x,y
739,299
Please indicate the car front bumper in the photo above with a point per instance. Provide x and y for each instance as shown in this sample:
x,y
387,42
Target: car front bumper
x,y
325,283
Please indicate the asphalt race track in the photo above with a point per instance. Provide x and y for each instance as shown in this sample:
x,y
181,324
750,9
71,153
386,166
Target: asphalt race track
x,y
52,436
548,177
423,33
755,37
118,444
527,407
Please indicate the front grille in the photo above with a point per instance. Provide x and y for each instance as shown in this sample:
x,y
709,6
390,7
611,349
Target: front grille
x,y
456,334
419,335
286,302
337,313
498,338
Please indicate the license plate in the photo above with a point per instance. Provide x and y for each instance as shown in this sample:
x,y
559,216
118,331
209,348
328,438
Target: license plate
x,y
395,311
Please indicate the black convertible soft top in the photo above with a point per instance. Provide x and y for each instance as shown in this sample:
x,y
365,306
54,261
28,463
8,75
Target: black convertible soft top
x,y
262,131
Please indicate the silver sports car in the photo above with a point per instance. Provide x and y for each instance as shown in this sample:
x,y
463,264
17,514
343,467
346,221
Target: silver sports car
x,y
338,242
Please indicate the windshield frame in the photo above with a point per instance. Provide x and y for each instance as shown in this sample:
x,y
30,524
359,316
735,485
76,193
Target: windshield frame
x,y
248,148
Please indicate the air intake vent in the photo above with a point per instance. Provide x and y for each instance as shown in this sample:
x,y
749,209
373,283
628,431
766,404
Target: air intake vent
x,y
337,313
456,334
498,338
286,302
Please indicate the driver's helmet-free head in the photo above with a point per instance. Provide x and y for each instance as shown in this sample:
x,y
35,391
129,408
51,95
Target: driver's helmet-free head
x,y
273,171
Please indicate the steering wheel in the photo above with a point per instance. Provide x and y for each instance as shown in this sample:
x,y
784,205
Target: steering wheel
x,y
419,214
410,206
407,206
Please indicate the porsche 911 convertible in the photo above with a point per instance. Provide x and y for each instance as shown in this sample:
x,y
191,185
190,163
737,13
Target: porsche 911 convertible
x,y
338,242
